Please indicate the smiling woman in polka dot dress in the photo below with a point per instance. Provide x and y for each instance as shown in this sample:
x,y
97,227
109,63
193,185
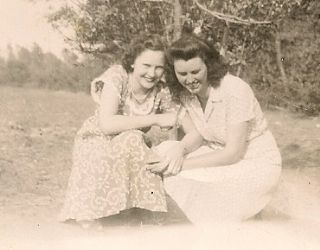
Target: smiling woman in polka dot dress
x,y
228,164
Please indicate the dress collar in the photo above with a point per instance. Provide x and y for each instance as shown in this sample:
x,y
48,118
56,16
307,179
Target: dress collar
x,y
214,97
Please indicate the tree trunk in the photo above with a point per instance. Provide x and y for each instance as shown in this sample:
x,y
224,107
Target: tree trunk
x,y
224,40
279,56
177,13
242,59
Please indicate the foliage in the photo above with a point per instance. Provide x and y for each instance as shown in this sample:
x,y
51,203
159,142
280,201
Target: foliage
x,y
301,56
260,39
105,27
253,48
34,68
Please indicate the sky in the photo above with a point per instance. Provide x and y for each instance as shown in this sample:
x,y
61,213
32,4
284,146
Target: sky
x,y
23,23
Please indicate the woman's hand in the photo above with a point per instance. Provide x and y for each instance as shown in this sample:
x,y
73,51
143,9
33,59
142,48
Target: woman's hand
x,y
171,163
167,120
176,158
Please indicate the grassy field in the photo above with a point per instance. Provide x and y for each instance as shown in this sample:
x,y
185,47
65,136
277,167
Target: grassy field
x,y
37,128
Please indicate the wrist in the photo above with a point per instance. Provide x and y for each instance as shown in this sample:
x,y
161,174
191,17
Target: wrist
x,y
183,147
154,120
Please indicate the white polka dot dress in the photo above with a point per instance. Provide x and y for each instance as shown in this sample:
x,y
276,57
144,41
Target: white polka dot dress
x,y
233,192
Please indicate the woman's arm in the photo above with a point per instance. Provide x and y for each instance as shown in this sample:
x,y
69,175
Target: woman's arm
x,y
233,151
239,104
192,139
111,123
172,162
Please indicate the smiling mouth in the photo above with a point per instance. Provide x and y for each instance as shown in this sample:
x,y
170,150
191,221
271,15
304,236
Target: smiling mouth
x,y
149,79
193,85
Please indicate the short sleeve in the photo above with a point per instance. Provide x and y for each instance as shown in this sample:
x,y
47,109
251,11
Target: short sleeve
x,y
240,100
115,77
166,103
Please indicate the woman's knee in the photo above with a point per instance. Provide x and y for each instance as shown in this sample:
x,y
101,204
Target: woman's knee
x,y
130,138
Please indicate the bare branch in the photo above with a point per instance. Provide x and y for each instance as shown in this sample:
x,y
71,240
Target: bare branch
x,y
163,1
230,18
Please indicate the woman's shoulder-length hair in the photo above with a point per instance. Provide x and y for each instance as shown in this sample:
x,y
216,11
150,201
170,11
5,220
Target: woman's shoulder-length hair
x,y
188,47
139,44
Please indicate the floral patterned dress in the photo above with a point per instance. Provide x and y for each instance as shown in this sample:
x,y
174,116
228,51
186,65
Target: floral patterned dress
x,y
108,173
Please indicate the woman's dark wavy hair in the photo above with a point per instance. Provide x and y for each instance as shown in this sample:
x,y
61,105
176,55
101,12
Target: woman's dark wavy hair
x,y
138,45
187,47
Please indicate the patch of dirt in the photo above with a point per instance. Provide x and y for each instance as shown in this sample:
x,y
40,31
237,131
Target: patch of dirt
x,y
37,128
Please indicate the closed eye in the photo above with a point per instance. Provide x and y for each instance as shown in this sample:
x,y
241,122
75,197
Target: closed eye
x,y
182,73
195,71
160,67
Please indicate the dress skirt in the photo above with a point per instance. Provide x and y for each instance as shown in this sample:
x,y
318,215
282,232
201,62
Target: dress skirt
x,y
228,193
109,175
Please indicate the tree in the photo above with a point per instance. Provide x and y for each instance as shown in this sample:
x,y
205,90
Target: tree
x,y
3,67
246,19
105,27
16,71
251,34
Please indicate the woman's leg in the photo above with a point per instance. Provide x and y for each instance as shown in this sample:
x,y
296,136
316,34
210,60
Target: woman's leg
x,y
146,189
227,193
89,182
108,176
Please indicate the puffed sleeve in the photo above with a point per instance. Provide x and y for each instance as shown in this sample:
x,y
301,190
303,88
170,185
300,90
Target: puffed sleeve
x,y
166,103
240,100
115,76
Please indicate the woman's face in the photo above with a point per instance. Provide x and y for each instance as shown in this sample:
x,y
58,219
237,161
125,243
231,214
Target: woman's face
x,y
192,74
148,68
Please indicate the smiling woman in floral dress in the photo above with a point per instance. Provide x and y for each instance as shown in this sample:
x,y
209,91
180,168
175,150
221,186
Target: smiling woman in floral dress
x,y
110,153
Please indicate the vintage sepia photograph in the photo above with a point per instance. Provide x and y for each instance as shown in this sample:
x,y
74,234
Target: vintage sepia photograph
x,y
159,124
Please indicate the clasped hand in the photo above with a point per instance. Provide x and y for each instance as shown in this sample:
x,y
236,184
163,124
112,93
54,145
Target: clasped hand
x,y
170,163
167,120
